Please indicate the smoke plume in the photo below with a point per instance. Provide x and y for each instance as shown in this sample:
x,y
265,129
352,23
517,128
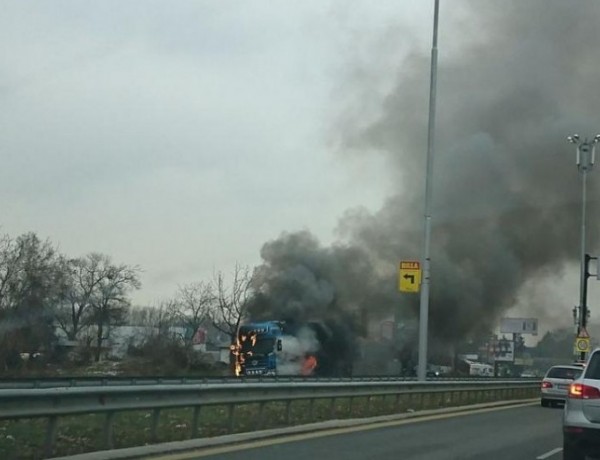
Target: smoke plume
x,y
294,350
515,78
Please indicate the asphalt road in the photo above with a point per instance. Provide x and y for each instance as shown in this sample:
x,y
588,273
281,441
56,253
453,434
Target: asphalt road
x,y
523,433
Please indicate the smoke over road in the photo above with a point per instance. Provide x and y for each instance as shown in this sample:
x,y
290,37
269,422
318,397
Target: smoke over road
x,y
515,78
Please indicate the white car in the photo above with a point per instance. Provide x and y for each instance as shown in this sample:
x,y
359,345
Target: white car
x,y
581,417
556,382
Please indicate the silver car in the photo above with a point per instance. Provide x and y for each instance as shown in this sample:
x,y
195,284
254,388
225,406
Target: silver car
x,y
581,417
556,382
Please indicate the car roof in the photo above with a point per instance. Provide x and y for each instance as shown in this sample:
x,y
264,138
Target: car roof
x,y
566,366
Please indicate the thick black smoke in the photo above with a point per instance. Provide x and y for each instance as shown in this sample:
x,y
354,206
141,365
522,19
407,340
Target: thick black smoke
x,y
515,79
328,289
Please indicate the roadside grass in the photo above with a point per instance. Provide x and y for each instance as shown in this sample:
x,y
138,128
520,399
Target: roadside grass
x,y
24,439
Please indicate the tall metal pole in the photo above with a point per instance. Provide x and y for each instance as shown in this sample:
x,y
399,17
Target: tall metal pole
x,y
424,305
583,273
585,163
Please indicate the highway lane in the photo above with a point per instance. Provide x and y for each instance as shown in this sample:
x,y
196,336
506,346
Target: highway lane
x,y
522,433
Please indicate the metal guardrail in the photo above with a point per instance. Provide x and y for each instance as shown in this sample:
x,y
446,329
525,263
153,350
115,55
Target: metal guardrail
x,y
55,382
89,381
52,403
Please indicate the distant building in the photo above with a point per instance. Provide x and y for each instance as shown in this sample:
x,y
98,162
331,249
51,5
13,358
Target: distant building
x,y
118,340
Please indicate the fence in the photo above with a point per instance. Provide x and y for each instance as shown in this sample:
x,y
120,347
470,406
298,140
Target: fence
x,y
53,403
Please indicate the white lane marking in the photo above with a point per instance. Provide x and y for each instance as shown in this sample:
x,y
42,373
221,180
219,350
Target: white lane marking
x,y
549,454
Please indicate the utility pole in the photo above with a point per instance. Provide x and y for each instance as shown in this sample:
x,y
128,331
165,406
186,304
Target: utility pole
x,y
424,304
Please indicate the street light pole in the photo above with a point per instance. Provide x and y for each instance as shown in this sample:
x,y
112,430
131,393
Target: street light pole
x,y
424,304
583,262
585,162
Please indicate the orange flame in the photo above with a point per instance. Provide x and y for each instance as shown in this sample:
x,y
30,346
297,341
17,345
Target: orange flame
x,y
239,356
309,365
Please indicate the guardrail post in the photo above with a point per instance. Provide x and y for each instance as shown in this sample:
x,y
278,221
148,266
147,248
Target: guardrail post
x,y
351,406
154,425
231,409
311,409
195,421
288,410
332,408
368,410
261,415
397,403
108,430
51,430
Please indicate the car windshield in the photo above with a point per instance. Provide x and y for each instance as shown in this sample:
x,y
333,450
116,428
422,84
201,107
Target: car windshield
x,y
261,346
563,373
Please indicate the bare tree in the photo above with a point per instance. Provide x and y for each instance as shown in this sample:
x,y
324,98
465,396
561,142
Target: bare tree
x,y
32,282
158,320
193,307
232,300
85,275
158,316
109,301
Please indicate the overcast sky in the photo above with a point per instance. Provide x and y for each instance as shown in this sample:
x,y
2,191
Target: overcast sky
x,y
181,136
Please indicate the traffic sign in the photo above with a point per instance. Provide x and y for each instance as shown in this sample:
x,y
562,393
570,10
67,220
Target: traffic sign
x,y
583,334
582,344
409,276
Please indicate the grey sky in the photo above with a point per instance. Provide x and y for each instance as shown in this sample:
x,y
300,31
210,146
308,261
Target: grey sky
x,y
180,136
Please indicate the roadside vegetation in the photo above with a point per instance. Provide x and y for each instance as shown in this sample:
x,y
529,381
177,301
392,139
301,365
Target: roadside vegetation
x,y
62,315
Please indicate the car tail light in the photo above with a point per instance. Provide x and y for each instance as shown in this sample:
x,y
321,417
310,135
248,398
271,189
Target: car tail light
x,y
546,384
581,391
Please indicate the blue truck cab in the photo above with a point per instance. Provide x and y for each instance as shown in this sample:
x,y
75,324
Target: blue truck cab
x,y
257,347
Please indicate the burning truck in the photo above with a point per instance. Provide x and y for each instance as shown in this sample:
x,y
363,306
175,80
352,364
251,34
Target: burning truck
x,y
272,348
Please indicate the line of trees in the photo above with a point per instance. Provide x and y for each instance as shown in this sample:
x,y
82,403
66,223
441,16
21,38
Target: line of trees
x,y
221,303
42,291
